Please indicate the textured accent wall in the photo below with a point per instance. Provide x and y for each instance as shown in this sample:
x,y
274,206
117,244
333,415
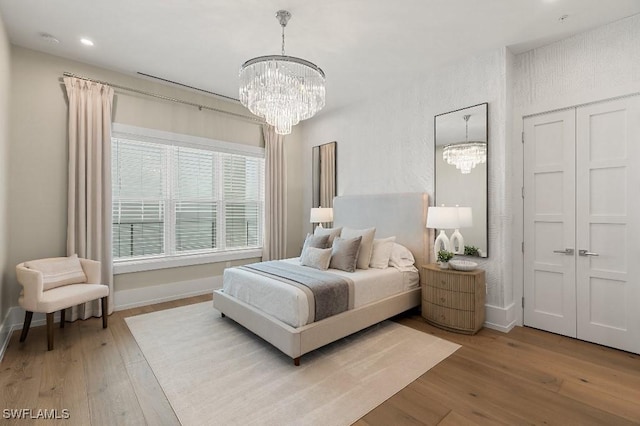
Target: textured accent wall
x,y
591,66
385,145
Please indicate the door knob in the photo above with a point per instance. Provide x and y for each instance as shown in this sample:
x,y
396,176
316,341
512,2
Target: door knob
x,y
565,251
587,253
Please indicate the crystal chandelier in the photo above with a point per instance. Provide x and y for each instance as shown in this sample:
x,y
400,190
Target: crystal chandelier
x,y
282,89
465,155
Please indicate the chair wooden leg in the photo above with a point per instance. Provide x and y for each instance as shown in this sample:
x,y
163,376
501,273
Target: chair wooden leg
x,y
50,331
27,323
62,311
104,312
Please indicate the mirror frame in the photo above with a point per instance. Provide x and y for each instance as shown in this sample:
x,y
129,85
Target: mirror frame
x,y
316,161
486,178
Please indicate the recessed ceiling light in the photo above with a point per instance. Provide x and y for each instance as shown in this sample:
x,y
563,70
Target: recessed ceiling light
x,y
86,42
49,38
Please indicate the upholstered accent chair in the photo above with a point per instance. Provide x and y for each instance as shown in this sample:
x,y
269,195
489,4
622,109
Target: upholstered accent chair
x,y
57,283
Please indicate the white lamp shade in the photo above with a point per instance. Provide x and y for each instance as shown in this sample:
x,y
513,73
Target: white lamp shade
x,y
321,215
465,217
442,218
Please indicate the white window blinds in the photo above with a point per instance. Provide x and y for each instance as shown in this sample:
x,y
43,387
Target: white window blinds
x,y
172,200
139,198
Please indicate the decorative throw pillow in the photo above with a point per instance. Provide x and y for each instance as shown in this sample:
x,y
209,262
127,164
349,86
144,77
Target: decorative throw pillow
x,y
58,271
365,247
344,254
401,257
381,252
331,232
316,258
317,241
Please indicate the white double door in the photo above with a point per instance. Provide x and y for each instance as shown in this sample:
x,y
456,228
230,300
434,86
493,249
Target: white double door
x,y
582,223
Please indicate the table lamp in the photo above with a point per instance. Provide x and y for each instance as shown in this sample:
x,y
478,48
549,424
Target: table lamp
x,y
442,218
321,215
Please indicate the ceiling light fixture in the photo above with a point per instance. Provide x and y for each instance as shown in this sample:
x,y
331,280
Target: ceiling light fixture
x,y
465,155
282,89
86,42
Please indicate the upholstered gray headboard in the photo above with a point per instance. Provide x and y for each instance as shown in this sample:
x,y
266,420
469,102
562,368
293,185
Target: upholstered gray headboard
x,y
403,215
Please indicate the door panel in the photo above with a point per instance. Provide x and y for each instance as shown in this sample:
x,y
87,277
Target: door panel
x,y
608,223
549,217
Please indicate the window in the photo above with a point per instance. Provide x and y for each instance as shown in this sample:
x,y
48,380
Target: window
x,y
175,195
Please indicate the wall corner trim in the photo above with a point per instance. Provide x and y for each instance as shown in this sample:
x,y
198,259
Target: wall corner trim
x,y
500,319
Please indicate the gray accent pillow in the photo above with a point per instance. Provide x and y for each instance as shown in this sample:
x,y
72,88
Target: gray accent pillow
x,y
316,258
331,232
366,247
319,241
344,254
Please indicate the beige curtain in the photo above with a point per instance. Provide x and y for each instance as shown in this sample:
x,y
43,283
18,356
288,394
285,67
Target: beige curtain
x,y
327,174
89,195
275,235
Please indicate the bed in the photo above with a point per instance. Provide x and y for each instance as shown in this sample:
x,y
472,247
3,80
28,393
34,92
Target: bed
x,y
399,215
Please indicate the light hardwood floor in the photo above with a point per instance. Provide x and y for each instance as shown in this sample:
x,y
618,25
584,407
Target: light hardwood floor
x,y
524,377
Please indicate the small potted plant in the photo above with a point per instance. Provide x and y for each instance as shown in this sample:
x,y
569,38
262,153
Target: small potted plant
x,y
471,251
444,256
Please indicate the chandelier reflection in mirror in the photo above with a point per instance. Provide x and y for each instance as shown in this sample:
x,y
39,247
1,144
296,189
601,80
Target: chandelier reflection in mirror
x,y
465,155
282,89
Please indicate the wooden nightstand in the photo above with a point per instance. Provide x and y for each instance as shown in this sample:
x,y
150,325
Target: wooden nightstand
x,y
453,300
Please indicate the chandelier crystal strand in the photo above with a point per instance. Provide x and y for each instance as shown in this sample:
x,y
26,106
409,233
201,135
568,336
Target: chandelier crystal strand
x,y
282,89
465,155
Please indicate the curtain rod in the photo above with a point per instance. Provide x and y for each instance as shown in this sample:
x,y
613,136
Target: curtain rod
x,y
166,98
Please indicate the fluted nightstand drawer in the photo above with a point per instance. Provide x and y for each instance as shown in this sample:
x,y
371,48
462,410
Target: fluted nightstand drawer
x,y
464,321
450,299
451,280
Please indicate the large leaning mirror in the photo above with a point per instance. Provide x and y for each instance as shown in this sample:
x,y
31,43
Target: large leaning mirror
x,y
324,179
461,149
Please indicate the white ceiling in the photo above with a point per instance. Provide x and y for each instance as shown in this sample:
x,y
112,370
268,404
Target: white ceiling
x,y
361,45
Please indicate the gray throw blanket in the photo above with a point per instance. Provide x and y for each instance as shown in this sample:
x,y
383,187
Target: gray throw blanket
x,y
331,293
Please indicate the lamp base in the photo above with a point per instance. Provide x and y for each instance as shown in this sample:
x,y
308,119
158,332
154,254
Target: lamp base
x,y
457,242
441,243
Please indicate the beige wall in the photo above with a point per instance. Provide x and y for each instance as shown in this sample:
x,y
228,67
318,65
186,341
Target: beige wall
x,y
5,286
38,153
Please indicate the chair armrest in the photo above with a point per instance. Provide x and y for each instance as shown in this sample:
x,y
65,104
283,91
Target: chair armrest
x,y
31,282
91,270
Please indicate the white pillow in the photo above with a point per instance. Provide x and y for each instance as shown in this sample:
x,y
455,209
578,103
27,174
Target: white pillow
x,y
366,245
401,257
381,252
316,258
58,271
331,232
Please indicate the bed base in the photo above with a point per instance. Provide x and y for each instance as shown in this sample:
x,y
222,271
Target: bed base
x,y
296,342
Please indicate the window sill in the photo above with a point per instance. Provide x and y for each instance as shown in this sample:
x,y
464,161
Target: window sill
x,y
150,264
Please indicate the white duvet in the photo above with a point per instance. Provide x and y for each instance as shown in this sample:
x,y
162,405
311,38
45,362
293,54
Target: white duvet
x,y
289,304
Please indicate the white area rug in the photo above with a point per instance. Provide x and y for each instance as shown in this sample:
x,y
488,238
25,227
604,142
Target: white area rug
x,y
215,372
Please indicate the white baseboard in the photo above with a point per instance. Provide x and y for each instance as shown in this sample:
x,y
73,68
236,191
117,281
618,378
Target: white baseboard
x,y
136,297
501,319
123,299
15,320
